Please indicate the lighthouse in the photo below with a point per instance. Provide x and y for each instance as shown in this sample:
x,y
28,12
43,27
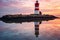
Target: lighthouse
x,y
36,11
36,7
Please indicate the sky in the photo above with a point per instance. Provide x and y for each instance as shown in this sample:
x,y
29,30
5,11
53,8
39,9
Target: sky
x,y
51,7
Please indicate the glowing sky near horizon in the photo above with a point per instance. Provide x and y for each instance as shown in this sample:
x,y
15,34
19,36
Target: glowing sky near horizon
x,y
27,7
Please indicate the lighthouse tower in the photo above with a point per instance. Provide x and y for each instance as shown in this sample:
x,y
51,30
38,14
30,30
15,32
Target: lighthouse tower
x,y
36,7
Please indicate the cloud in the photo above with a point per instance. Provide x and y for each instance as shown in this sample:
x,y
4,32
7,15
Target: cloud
x,y
15,6
45,0
4,3
15,10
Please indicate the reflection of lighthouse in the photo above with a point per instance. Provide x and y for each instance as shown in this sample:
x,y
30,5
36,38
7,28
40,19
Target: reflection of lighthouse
x,y
36,28
37,8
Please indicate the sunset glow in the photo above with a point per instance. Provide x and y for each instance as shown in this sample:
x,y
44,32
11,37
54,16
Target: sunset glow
x,y
27,7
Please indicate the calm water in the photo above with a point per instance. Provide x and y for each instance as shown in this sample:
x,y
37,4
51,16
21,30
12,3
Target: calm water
x,y
48,30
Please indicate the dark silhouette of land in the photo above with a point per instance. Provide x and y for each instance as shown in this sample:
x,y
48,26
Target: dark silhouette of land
x,y
26,18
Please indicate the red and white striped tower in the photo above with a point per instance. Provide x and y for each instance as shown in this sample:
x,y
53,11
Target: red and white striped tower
x,y
36,7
